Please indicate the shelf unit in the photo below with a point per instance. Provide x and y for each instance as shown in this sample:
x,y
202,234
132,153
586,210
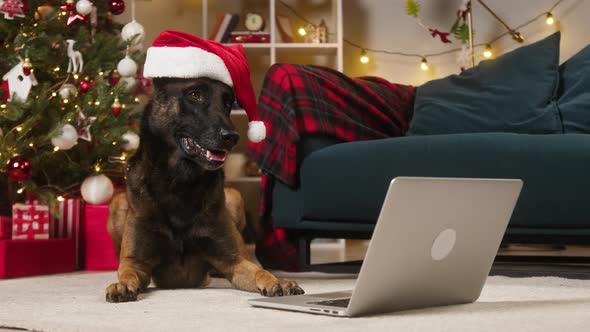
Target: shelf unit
x,y
333,47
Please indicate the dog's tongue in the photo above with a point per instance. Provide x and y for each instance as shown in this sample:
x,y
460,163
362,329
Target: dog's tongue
x,y
216,155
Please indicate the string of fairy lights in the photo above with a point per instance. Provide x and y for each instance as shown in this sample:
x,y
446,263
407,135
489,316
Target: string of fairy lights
x,y
423,58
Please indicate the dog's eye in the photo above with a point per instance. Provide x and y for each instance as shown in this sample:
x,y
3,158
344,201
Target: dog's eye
x,y
196,95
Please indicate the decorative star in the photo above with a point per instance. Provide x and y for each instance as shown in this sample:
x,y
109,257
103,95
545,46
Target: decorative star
x,y
70,7
84,124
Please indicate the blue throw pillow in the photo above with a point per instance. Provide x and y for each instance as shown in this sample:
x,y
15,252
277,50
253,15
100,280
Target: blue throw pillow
x,y
574,100
514,93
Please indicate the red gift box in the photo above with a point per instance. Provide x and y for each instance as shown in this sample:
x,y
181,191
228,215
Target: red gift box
x,y
19,258
5,227
99,252
66,222
30,221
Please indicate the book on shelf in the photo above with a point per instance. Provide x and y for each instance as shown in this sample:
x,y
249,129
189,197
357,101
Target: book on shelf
x,y
216,27
233,22
222,27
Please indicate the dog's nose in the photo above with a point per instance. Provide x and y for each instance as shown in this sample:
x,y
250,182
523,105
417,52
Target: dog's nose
x,y
230,136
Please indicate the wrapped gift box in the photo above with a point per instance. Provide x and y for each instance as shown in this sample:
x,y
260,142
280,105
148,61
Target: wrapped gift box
x,y
20,258
66,223
99,252
30,221
5,227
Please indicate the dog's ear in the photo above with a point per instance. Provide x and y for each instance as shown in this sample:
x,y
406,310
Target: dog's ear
x,y
160,83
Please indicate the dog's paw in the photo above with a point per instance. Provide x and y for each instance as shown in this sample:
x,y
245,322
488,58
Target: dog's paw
x,y
283,287
119,292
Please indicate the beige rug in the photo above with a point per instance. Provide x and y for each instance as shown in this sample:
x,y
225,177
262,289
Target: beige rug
x,y
75,302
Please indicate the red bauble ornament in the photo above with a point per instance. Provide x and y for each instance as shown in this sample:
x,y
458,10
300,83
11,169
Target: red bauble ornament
x,y
117,7
116,107
27,67
19,169
115,78
73,17
86,85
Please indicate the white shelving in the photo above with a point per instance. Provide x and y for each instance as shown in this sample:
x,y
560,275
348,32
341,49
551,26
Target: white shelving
x,y
276,48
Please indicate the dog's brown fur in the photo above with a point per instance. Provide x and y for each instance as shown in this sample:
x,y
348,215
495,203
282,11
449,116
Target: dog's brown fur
x,y
177,223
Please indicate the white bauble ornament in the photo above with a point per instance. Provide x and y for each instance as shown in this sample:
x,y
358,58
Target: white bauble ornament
x,y
129,82
68,91
83,7
133,29
67,139
132,141
97,189
127,67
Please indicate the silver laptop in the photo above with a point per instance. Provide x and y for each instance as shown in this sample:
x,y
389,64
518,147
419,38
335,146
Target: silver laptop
x,y
434,244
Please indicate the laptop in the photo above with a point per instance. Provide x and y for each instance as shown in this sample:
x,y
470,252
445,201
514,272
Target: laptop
x,y
434,244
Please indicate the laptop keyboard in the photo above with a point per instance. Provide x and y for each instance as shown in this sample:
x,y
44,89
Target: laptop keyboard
x,y
343,303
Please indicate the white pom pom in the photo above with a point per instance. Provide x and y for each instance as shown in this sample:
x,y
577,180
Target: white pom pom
x,y
67,139
127,67
132,141
256,131
97,189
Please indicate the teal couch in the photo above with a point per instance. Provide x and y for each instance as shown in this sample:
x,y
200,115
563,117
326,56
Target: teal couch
x,y
520,116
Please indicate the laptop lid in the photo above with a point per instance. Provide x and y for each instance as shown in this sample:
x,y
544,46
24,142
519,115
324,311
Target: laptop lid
x,y
434,243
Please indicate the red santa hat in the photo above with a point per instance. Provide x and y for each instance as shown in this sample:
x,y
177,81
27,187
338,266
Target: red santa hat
x,y
182,55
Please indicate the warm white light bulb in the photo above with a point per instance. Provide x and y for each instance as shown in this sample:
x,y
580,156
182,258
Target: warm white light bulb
x,y
302,31
550,20
364,57
487,53
424,64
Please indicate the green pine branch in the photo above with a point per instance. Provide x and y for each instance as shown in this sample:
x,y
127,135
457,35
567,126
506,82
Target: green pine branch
x,y
412,8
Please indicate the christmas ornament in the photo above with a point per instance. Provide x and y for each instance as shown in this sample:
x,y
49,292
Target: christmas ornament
x,y
115,77
73,17
12,8
133,32
86,84
27,67
132,141
117,7
44,11
97,189
19,84
68,91
130,83
19,169
116,107
127,67
6,94
84,124
67,139
84,7
76,63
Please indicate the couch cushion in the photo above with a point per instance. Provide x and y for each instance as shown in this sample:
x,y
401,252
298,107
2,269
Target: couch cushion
x,y
574,100
346,183
512,93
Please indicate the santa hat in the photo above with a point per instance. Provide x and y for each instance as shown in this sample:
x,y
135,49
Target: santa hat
x,y
182,55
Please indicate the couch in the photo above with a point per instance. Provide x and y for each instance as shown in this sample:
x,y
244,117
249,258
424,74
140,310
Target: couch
x,y
539,134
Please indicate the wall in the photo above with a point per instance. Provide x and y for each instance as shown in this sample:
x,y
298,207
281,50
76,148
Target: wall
x,y
383,24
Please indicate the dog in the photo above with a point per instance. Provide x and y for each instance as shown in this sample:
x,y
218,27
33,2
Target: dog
x,y
177,224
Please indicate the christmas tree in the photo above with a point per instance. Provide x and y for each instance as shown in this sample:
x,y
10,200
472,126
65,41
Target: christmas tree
x,y
68,95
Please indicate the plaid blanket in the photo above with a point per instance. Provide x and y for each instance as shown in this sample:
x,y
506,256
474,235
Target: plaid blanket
x,y
301,100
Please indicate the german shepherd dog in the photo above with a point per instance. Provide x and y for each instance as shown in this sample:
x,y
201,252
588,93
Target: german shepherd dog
x,y
177,224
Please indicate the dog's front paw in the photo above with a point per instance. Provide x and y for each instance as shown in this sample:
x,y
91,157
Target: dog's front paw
x,y
119,292
282,287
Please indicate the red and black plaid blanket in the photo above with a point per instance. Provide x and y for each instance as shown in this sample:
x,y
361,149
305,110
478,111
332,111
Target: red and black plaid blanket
x,y
299,100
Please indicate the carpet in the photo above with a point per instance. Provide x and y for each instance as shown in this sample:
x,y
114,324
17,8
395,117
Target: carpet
x,y
75,302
